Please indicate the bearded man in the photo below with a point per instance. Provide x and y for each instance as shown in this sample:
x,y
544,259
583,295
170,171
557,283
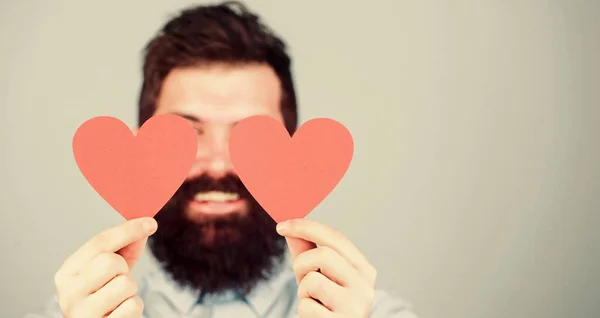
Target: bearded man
x,y
218,253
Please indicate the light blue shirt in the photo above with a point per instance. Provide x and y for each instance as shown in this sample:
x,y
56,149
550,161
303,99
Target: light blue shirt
x,y
276,298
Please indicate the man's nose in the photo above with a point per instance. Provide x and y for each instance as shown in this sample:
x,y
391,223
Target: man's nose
x,y
219,165
217,160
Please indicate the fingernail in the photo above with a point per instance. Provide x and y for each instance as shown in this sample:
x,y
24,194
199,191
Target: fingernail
x,y
149,226
282,226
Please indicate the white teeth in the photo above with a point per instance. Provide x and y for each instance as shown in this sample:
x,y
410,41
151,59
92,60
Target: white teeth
x,y
217,196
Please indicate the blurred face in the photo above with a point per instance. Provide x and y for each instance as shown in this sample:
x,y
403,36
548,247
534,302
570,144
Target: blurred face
x,y
212,235
214,99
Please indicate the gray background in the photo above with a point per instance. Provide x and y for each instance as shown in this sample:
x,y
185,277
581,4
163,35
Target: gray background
x,y
475,185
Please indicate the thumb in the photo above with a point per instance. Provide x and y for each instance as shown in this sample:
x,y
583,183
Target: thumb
x,y
298,246
132,252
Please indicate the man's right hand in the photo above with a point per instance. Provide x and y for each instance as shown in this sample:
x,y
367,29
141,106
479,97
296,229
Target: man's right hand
x,y
95,281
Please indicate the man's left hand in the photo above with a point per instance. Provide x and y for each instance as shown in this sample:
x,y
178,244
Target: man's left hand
x,y
334,277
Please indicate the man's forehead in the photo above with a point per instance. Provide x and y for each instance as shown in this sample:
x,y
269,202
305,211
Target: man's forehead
x,y
221,92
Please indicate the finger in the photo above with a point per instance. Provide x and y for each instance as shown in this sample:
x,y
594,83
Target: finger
x,y
298,246
111,295
331,264
132,307
309,308
315,285
110,240
132,252
101,270
323,235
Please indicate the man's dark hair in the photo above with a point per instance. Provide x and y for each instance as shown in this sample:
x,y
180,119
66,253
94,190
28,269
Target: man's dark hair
x,y
225,33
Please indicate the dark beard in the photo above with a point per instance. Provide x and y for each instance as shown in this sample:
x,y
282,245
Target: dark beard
x,y
217,254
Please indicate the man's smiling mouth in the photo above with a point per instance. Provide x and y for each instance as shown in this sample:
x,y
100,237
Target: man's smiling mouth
x,y
217,203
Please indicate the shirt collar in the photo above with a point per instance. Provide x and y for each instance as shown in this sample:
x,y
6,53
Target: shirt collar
x,y
182,298
261,298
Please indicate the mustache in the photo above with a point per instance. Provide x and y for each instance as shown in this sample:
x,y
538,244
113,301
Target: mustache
x,y
204,183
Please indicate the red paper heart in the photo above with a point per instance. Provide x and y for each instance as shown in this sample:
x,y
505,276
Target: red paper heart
x,y
136,175
290,176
